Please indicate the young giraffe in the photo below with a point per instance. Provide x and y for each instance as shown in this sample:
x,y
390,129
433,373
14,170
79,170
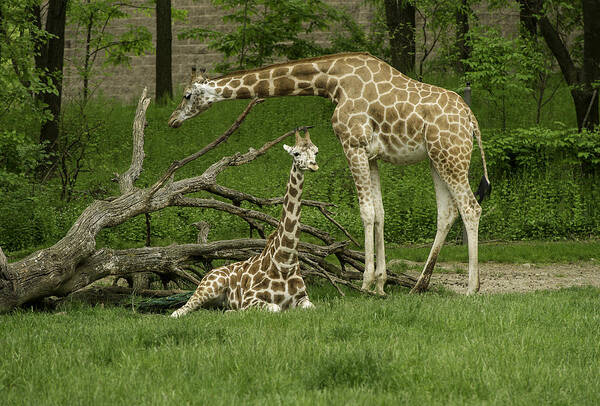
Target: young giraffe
x,y
380,114
272,279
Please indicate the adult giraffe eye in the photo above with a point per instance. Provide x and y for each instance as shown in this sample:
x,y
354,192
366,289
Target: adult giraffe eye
x,y
296,153
188,96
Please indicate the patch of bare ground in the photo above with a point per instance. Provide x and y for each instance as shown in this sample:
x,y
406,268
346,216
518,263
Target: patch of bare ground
x,y
509,278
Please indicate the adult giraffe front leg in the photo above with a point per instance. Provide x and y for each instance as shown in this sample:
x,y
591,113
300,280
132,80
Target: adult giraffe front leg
x,y
359,165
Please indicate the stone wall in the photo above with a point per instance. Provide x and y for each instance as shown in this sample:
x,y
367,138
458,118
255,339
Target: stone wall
x,y
126,83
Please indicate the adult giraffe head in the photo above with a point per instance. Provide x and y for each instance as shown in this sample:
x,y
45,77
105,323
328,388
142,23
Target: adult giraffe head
x,y
198,96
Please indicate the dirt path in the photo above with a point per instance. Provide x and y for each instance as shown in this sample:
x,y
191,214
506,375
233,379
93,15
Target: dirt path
x,y
506,278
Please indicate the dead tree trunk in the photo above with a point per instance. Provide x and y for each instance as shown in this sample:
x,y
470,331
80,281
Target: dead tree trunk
x,y
74,263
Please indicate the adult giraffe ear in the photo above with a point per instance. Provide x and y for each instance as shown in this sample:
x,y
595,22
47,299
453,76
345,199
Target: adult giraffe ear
x,y
287,148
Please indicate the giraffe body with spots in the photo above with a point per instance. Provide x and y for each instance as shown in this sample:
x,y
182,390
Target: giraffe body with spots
x,y
272,279
380,114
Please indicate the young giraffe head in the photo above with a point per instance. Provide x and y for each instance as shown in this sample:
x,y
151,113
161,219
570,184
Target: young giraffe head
x,y
198,96
304,153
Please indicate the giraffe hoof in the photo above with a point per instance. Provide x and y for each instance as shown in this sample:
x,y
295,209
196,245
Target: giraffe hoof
x,y
380,293
307,305
272,307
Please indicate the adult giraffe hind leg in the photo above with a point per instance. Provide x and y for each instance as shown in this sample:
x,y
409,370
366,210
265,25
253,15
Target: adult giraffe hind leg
x,y
447,213
457,181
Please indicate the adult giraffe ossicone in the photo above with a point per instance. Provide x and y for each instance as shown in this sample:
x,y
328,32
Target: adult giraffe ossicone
x,y
380,114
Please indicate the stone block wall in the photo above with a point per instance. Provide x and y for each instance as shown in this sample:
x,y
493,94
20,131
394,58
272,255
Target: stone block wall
x,y
126,83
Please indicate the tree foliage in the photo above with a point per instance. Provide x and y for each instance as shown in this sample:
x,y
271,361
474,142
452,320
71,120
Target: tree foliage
x,y
20,80
263,30
91,20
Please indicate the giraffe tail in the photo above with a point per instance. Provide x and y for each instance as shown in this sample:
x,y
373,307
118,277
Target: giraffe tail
x,y
485,187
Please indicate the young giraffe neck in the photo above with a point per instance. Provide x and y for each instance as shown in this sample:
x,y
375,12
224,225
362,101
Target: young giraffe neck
x,y
287,235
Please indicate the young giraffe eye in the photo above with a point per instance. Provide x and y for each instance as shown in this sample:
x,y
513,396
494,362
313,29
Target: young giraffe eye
x,y
187,96
296,153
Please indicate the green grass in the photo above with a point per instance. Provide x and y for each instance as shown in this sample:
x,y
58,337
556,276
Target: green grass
x,y
438,348
515,252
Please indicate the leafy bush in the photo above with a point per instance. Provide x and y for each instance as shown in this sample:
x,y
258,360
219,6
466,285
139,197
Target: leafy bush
x,y
538,148
19,156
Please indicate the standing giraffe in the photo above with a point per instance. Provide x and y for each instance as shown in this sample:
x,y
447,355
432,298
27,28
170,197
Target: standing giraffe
x,y
272,279
380,114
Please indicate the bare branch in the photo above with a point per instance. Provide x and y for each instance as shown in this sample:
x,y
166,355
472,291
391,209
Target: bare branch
x,y
237,196
179,164
127,179
245,213
338,225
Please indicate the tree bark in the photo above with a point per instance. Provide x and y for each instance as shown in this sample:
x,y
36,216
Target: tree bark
x,y
400,18
164,83
527,17
51,60
462,29
591,61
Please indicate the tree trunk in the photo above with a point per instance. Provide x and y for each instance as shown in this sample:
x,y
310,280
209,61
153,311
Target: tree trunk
x,y
462,29
527,17
400,17
591,61
164,87
51,60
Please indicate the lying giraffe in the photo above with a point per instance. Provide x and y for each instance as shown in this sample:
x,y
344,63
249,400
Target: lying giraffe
x,y
380,114
272,279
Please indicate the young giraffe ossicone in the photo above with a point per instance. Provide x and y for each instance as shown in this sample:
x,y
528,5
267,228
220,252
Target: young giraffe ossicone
x,y
272,279
380,114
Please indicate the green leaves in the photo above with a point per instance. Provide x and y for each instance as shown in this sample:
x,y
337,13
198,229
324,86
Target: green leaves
x,y
264,30
89,21
19,156
539,147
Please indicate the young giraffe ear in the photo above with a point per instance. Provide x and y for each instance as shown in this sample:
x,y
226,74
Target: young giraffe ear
x,y
307,138
287,148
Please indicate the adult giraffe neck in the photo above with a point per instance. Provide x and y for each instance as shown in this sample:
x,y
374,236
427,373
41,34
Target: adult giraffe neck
x,y
306,77
300,80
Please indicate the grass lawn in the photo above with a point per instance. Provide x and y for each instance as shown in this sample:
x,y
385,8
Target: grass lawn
x,y
437,348
541,252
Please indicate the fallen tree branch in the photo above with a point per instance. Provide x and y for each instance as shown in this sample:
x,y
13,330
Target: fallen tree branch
x,y
73,263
